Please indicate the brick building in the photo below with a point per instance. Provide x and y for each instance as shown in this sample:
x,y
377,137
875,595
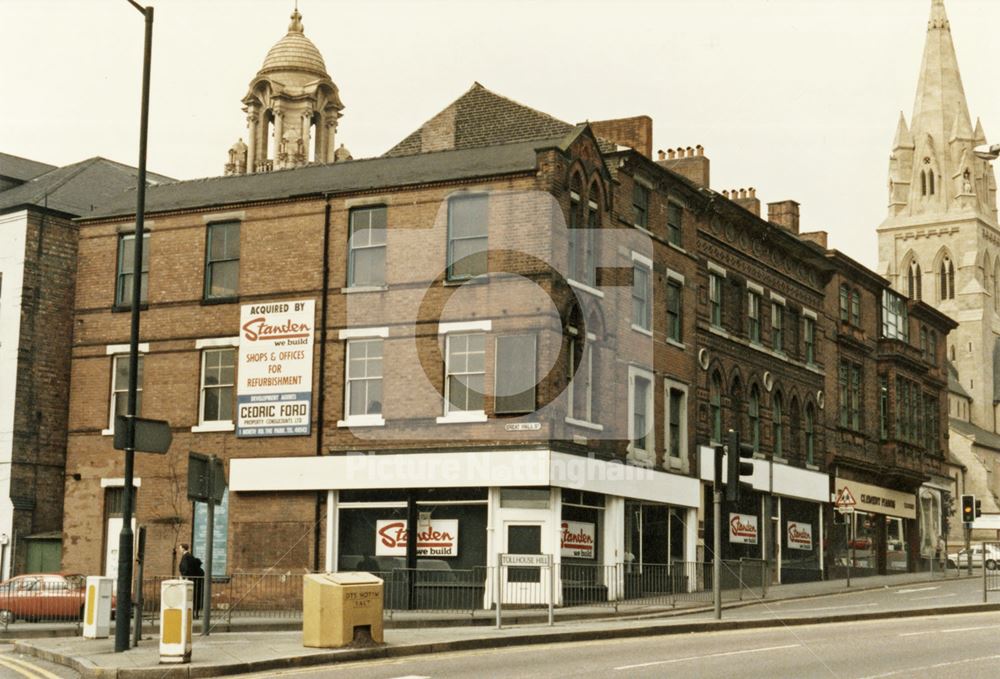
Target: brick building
x,y
508,334
37,274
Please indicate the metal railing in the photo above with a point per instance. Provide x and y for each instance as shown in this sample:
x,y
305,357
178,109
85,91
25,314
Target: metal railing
x,y
38,598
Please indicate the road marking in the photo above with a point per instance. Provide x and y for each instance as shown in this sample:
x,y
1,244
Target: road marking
x,y
948,631
910,671
911,590
705,657
934,596
832,608
413,676
25,671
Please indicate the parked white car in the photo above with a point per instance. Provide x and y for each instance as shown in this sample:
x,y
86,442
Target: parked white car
x,y
960,559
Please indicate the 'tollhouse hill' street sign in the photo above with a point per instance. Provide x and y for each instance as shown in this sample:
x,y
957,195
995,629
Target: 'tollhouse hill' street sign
x,y
151,436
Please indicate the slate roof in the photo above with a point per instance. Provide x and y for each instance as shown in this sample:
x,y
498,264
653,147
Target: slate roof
x,y
954,386
342,177
980,436
22,169
484,118
78,189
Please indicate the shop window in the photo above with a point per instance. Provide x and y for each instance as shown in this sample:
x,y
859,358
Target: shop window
x,y
126,270
222,261
515,374
468,228
524,498
366,247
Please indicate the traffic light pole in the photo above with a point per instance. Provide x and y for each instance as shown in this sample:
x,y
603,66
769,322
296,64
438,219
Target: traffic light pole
x,y
968,549
717,534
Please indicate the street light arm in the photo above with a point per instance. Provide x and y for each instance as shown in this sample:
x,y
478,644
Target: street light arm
x,y
136,5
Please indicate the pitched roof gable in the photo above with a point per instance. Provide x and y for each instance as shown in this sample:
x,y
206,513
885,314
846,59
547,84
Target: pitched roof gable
x,y
480,118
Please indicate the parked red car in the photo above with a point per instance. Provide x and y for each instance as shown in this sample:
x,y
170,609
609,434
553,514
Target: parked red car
x,y
42,596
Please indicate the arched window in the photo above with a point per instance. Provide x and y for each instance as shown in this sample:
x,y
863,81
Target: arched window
x,y
923,183
856,308
996,285
946,275
777,404
715,406
810,434
736,404
845,304
930,182
913,281
794,426
753,413
580,367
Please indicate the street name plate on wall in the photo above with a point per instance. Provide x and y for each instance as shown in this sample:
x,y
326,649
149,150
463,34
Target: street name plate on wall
x,y
536,560
274,394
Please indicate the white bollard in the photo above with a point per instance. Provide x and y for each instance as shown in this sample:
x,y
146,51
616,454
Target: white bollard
x,y
176,604
97,607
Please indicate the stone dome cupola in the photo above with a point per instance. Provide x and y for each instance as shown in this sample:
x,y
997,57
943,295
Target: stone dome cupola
x,y
292,107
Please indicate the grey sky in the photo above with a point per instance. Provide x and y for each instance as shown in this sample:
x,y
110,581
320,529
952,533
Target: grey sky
x,y
798,98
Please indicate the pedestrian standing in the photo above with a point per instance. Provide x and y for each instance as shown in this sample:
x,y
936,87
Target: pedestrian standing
x,y
190,568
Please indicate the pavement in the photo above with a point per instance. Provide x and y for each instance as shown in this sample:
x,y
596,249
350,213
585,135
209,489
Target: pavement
x,y
251,650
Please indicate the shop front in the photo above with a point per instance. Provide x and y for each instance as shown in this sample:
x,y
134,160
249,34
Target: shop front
x,y
878,535
778,519
613,530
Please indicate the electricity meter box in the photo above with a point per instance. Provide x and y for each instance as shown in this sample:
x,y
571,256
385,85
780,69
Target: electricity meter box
x,y
97,606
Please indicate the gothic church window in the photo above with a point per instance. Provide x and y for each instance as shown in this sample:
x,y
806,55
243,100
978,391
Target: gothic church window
x,y
913,290
946,279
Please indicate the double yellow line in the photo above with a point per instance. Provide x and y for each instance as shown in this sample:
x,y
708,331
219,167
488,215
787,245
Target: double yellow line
x,y
26,669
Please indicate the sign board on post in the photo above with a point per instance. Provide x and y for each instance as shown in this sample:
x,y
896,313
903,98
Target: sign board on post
x,y
206,478
274,394
151,436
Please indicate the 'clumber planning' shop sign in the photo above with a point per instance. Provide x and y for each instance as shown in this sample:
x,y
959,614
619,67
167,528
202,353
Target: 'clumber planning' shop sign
x,y
437,537
274,395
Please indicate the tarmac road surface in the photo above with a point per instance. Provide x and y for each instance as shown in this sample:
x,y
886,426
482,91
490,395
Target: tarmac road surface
x,y
930,648
16,666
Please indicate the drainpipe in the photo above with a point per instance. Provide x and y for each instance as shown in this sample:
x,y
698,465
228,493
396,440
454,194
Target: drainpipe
x,y
321,396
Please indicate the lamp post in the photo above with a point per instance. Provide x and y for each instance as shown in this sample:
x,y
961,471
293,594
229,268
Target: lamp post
x,y
123,616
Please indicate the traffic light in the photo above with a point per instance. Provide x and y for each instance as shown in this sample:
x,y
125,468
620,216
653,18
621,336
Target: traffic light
x,y
979,508
737,468
968,508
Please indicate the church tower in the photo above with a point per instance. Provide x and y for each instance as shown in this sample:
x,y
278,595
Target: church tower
x,y
292,109
940,241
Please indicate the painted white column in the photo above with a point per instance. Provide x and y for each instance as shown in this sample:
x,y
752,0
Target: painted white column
x,y
252,137
822,549
331,530
305,135
691,546
614,545
319,143
493,543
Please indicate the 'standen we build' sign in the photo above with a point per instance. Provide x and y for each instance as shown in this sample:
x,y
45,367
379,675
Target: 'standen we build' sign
x,y
274,394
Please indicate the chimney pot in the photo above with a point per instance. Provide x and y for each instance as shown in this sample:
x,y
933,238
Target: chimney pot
x,y
700,149
671,154
661,155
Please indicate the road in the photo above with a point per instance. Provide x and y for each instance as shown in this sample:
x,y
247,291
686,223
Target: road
x,y
930,647
14,666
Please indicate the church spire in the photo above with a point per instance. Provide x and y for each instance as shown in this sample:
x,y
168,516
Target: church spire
x,y
940,101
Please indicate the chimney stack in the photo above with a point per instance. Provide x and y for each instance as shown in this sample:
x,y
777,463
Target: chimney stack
x,y
635,132
817,237
784,214
745,198
688,162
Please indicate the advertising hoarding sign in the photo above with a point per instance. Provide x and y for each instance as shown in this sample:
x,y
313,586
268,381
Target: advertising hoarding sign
x,y
743,529
274,394
799,535
438,537
577,539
